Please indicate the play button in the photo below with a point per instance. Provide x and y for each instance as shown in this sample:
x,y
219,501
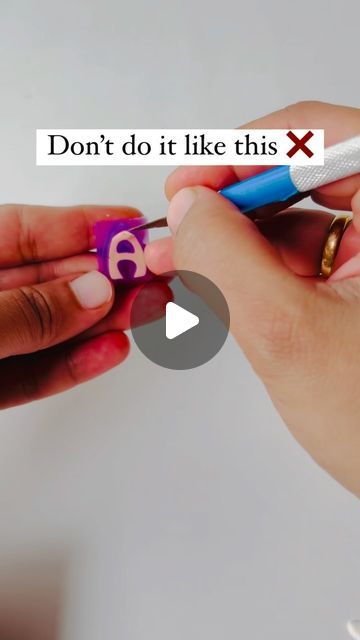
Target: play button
x,y
178,320
193,328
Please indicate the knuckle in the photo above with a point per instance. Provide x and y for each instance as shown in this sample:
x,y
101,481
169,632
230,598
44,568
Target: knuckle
x,y
40,312
284,337
281,334
301,108
301,105
27,243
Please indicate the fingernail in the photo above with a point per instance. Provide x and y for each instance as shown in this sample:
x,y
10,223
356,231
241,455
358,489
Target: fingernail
x,y
92,290
179,206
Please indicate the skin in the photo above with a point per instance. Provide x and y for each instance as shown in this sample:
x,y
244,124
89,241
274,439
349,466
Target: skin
x,y
49,342
300,333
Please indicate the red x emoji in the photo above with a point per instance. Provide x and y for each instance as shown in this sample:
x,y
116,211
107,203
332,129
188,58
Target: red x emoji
x,y
300,144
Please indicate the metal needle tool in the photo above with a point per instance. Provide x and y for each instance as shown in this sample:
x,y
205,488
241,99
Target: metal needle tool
x,y
153,224
284,185
255,214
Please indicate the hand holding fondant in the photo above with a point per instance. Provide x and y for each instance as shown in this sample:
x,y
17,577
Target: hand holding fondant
x,y
60,321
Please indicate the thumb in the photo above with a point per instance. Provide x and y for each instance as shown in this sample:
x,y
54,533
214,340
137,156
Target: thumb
x,y
39,316
213,238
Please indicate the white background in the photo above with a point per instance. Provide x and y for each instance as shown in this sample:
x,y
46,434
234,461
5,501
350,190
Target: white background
x,y
170,505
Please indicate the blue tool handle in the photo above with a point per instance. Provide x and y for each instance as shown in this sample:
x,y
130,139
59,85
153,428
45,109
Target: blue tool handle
x,y
274,185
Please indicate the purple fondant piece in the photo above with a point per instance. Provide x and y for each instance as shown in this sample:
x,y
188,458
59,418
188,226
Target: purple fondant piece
x,y
120,251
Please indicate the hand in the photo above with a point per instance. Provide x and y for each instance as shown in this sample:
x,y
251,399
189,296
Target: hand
x,y
301,334
60,321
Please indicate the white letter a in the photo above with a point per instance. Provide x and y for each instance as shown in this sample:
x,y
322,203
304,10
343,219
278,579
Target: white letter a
x,y
115,256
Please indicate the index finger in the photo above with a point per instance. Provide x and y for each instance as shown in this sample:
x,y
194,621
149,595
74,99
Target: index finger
x,y
31,234
339,123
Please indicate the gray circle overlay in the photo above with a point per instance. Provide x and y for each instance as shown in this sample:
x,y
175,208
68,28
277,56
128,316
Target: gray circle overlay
x,y
195,347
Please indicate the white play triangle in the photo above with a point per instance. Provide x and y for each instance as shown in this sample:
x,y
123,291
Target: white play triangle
x,y
178,320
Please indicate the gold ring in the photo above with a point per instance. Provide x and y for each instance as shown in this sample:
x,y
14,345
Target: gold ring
x,y
332,243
